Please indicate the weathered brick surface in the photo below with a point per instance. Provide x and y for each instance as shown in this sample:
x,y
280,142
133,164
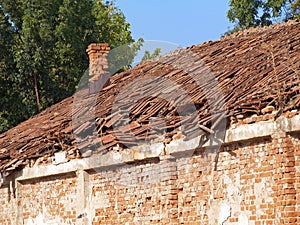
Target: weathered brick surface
x,y
7,203
254,182
143,193
50,200
295,202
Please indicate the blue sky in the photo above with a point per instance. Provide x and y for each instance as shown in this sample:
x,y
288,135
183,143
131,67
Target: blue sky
x,y
183,23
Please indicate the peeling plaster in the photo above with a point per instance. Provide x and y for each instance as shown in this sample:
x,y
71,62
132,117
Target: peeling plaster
x,y
225,212
243,220
40,220
219,213
261,192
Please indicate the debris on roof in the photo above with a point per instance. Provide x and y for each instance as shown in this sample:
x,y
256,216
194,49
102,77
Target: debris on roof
x,y
247,77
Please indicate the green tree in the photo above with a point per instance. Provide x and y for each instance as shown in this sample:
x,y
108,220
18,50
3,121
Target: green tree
x,y
9,113
252,13
147,55
75,29
43,47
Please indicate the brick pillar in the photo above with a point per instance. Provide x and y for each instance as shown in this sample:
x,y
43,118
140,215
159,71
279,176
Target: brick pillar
x,y
83,209
169,176
285,179
98,66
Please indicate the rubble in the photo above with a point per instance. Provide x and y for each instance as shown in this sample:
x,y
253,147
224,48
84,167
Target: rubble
x,y
257,73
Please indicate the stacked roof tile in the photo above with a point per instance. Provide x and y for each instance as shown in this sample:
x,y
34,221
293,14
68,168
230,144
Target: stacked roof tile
x,y
191,91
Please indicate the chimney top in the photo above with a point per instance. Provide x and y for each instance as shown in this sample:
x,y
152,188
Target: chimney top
x,y
98,66
98,48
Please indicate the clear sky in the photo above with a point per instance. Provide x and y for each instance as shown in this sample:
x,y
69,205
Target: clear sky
x,y
183,23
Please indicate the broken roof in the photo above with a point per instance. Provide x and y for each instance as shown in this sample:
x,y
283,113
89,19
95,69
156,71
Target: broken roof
x,y
186,92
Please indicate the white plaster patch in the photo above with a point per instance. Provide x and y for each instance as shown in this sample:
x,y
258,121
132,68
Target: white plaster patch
x,y
232,189
35,221
148,151
225,212
101,200
243,220
261,191
40,220
60,157
181,145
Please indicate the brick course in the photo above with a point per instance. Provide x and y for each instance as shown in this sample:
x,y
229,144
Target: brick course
x,y
254,181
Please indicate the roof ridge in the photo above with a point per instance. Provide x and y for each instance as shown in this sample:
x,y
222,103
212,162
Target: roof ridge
x,y
260,29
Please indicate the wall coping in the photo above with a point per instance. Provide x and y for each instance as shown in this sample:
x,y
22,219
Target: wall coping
x,y
155,150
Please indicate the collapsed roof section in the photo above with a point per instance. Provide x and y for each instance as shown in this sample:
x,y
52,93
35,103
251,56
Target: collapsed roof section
x,y
249,76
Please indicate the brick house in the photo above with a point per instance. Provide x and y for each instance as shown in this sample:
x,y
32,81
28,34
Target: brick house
x,y
209,134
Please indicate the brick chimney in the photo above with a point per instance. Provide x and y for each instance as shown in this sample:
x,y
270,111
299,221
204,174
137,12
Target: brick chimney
x,y
98,66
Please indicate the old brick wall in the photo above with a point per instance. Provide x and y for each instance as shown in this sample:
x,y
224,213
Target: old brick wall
x,y
294,181
252,182
240,189
51,200
141,193
255,182
7,205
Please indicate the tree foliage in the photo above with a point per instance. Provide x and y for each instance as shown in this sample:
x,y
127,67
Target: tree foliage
x,y
9,112
252,13
147,55
42,50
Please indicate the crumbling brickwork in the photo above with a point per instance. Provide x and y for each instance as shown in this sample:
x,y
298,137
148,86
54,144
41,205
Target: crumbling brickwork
x,y
7,205
149,148
255,181
53,197
143,193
